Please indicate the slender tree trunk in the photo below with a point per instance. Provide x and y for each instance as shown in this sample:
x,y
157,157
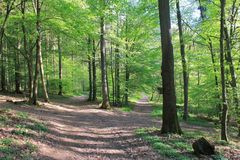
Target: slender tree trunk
x,y
3,72
231,67
90,95
105,100
117,76
228,38
39,51
112,75
222,63
60,67
35,81
170,122
184,63
94,72
127,77
17,70
45,93
127,73
47,60
30,79
28,54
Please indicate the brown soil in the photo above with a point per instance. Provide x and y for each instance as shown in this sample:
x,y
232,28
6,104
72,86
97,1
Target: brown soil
x,y
81,131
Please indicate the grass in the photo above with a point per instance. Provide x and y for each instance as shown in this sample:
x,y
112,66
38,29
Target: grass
x,y
174,146
127,109
23,127
11,149
157,112
163,147
192,120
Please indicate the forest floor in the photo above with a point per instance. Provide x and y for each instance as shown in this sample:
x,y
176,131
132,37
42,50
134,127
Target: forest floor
x,y
78,130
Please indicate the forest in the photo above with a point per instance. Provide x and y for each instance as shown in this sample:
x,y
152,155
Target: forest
x,y
119,79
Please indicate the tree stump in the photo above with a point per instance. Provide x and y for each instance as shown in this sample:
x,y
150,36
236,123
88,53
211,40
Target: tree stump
x,y
203,147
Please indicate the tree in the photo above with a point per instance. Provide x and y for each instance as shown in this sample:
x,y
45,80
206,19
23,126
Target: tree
x,y
39,63
223,81
90,95
170,122
60,66
105,98
184,63
94,72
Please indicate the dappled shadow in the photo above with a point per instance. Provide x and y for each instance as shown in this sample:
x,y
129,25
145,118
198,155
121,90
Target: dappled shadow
x,y
78,130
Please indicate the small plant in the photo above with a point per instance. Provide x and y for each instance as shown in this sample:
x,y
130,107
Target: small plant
x,y
223,143
39,127
157,112
161,145
6,141
23,115
127,109
21,130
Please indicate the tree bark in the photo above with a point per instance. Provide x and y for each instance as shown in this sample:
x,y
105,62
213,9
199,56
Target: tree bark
x,y
60,67
17,70
170,122
223,83
3,72
112,75
184,63
117,76
90,95
94,72
105,100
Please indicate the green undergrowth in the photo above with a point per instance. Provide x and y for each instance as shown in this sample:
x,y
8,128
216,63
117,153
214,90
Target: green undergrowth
x,y
192,120
127,108
11,149
18,128
174,146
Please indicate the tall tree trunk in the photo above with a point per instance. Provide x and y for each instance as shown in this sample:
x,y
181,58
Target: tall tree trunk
x,y
184,63
45,93
39,51
223,83
3,72
30,79
27,52
127,73
94,72
47,60
90,95
105,100
170,122
17,70
127,77
112,75
117,75
35,81
229,43
231,67
60,66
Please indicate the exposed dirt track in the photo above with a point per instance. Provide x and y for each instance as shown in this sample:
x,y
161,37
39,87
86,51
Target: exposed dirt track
x,y
80,131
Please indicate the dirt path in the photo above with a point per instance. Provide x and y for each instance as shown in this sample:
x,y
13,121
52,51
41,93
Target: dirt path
x,y
80,131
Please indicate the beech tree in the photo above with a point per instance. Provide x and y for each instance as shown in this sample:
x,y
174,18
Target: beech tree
x,y
170,122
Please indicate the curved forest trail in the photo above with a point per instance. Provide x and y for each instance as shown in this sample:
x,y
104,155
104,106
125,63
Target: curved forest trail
x,y
78,130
